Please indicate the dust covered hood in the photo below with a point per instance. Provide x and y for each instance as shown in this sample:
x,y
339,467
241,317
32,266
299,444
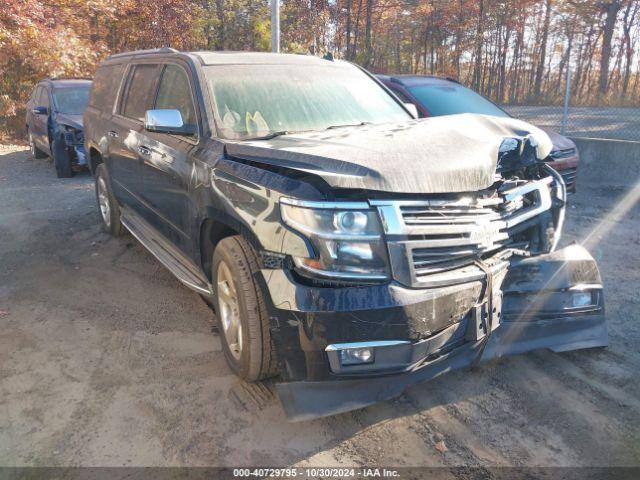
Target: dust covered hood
x,y
456,153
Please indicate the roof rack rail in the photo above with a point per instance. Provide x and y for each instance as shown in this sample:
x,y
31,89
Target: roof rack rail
x,y
144,52
68,78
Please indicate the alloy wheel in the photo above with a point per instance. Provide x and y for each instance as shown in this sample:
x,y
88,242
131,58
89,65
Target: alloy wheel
x,y
229,310
103,201
32,146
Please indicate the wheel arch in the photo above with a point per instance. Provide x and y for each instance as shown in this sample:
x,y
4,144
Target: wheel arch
x,y
94,159
215,227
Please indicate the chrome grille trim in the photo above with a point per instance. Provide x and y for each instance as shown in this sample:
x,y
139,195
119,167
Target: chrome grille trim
x,y
569,175
434,242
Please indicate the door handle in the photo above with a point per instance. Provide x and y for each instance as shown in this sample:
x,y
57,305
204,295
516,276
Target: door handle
x,y
147,152
144,150
113,134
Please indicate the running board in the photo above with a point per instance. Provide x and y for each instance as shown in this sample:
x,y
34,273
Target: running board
x,y
174,260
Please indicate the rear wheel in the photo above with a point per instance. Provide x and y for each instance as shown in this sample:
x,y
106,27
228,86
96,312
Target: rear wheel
x,y
241,311
35,151
107,204
61,158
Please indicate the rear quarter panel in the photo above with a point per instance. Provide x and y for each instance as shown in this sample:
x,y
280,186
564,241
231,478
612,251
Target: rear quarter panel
x,y
97,116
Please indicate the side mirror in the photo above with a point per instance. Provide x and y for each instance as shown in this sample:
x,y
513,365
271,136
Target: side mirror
x,y
167,121
40,110
412,109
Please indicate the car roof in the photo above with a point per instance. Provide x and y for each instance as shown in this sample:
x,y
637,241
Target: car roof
x,y
258,58
67,82
227,57
413,80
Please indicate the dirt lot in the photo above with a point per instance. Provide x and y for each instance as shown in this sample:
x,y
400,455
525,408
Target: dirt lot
x,y
106,360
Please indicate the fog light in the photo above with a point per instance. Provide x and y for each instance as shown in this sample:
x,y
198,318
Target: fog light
x,y
355,356
582,299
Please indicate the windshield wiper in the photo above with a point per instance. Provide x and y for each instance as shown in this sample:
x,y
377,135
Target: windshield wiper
x,y
280,133
349,125
271,135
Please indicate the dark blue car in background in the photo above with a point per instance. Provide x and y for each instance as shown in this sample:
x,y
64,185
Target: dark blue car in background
x,y
54,123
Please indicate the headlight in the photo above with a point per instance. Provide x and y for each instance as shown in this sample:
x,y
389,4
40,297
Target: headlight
x,y
69,136
346,238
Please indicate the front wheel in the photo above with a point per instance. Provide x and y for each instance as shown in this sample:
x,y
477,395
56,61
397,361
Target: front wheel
x,y
241,312
107,204
61,158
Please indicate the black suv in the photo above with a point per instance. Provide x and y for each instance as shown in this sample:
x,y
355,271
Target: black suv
x,y
346,247
54,122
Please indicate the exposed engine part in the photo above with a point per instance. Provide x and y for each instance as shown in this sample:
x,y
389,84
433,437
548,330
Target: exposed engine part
x,y
517,154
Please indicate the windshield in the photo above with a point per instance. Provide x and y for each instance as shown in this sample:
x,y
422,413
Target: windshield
x,y
257,100
71,100
451,98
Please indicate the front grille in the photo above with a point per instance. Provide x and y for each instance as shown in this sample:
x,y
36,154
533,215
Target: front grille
x,y
451,234
569,176
435,241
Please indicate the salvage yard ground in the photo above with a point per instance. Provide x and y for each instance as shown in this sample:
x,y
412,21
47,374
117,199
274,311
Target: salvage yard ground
x,y
106,360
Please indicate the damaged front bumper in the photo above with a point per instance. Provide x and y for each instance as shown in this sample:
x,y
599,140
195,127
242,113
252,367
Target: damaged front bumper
x,y
552,301
308,400
74,139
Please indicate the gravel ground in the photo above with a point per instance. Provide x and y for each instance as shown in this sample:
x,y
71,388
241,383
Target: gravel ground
x,y
106,360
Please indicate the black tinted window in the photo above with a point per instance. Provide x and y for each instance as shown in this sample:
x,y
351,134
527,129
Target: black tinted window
x,y
174,93
451,99
140,92
43,99
105,86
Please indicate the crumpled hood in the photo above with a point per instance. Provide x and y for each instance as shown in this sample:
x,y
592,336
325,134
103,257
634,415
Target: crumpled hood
x,y
74,121
456,153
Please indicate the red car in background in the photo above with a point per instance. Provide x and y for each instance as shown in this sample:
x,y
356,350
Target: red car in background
x,y
435,96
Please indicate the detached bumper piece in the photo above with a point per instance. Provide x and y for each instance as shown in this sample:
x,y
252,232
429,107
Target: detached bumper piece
x,y
551,302
80,155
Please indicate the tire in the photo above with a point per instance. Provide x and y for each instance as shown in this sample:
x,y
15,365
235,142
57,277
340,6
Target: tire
x,y
108,207
250,354
35,151
61,158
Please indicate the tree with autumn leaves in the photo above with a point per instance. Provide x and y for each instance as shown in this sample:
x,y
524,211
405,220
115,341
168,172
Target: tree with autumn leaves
x,y
514,51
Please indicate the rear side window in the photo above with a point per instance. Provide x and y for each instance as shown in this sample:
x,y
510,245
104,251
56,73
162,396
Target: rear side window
x,y
174,93
35,95
43,98
139,96
105,86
